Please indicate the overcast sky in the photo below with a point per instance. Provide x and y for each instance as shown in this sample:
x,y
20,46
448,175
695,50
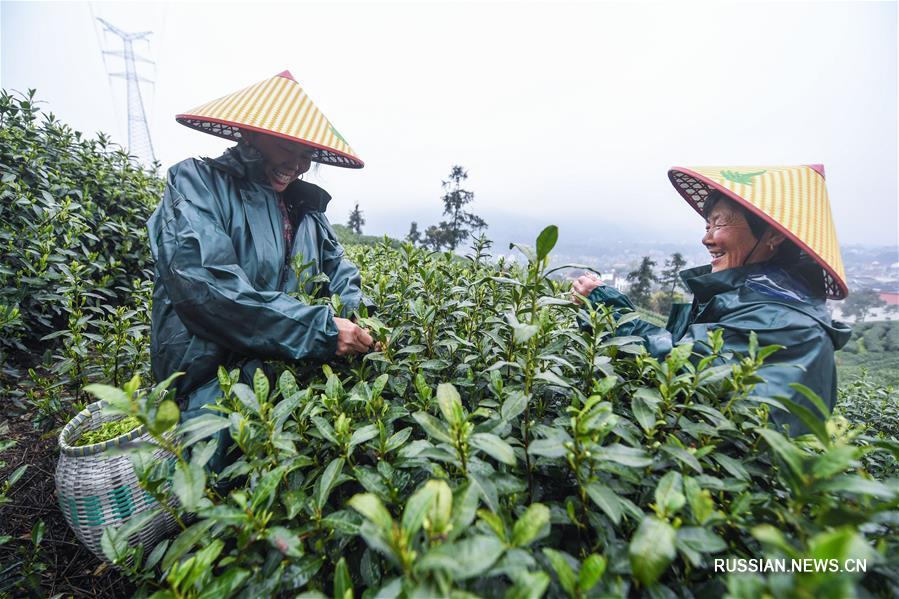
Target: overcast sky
x,y
564,113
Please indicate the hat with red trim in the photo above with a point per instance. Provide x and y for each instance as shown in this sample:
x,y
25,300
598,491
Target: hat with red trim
x,y
277,106
792,199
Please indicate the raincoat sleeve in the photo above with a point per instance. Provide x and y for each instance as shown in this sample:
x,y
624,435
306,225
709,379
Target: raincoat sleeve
x,y
807,356
211,293
345,278
657,340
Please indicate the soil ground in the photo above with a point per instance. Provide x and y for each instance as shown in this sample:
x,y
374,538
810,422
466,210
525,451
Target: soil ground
x,y
62,566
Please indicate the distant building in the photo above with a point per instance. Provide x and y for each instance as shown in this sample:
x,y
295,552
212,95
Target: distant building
x,y
890,297
612,279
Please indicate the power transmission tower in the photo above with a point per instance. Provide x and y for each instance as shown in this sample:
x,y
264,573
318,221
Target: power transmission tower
x,y
139,142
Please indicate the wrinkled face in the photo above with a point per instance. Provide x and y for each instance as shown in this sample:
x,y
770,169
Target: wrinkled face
x,y
729,238
285,160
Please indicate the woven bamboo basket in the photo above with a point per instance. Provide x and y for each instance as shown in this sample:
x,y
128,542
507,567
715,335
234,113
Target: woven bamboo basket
x,y
96,491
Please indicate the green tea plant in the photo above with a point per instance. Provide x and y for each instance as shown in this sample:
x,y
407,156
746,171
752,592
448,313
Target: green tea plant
x,y
13,478
871,409
21,576
494,448
72,239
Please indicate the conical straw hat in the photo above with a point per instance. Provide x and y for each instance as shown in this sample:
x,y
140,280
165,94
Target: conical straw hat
x,y
277,106
792,199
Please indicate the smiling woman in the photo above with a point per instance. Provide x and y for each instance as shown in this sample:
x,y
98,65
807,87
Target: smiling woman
x,y
227,234
735,237
774,262
285,160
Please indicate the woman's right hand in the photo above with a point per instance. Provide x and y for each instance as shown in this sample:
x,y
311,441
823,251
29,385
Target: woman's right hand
x,y
351,338
584,284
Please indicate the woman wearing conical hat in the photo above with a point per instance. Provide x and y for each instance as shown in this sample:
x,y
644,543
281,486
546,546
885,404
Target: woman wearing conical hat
x,y
774,262
225,234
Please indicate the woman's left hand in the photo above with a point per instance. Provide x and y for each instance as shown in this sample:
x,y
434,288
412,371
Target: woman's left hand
x,y
583,285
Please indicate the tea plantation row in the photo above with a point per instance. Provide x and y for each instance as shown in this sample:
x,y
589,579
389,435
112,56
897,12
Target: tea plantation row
x,y
493,448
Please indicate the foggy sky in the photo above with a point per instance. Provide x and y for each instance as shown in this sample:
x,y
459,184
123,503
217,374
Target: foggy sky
x,y
565,113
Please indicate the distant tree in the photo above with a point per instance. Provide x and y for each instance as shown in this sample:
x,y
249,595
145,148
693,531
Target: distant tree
x,y
861,303
436,237
641,280
460,223
356,220
661,301
670,281
414,236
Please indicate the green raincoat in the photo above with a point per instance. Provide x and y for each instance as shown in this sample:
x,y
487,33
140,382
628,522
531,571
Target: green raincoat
x,y
764,298
221,279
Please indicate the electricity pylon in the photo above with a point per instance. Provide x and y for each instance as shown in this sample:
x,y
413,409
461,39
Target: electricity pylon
x,y
139,142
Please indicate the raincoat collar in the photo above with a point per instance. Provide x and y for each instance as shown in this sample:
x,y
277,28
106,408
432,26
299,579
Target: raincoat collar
x,y
765,278
762,282
245,162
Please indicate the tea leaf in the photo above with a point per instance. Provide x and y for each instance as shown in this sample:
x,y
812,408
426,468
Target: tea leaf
x,y
361,435
465,505
418,506
528,585
371,507
591,571
514,405
546,241
327,482
189,537
189,483
652,549
532,525
450,404
564,572
464,559
624,455
201,427
343,584
494,447
433,427
167,416
246,396
606,500
260,386
668,495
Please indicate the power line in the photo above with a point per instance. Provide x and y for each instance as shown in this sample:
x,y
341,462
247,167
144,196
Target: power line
x,y
139,142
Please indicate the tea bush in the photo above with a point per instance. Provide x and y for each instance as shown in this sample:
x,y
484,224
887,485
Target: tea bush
x,y
75,259
874,348
874,409
493,448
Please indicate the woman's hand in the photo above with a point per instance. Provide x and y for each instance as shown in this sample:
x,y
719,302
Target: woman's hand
x,y
351,338
584,284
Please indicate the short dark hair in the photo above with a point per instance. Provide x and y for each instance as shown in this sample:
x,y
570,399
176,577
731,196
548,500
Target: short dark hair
x,y
757,224
788,253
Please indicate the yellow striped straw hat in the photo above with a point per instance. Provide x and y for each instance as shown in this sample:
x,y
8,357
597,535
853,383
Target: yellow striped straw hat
x,y
277,106
792,199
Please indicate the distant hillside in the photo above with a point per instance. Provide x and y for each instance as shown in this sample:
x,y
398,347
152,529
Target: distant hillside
x,y
347,237
875,347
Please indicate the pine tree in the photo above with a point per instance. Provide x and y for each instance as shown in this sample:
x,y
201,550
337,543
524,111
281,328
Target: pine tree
x,y
670,280
414,236
460,223
436,237
642,280
356,220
